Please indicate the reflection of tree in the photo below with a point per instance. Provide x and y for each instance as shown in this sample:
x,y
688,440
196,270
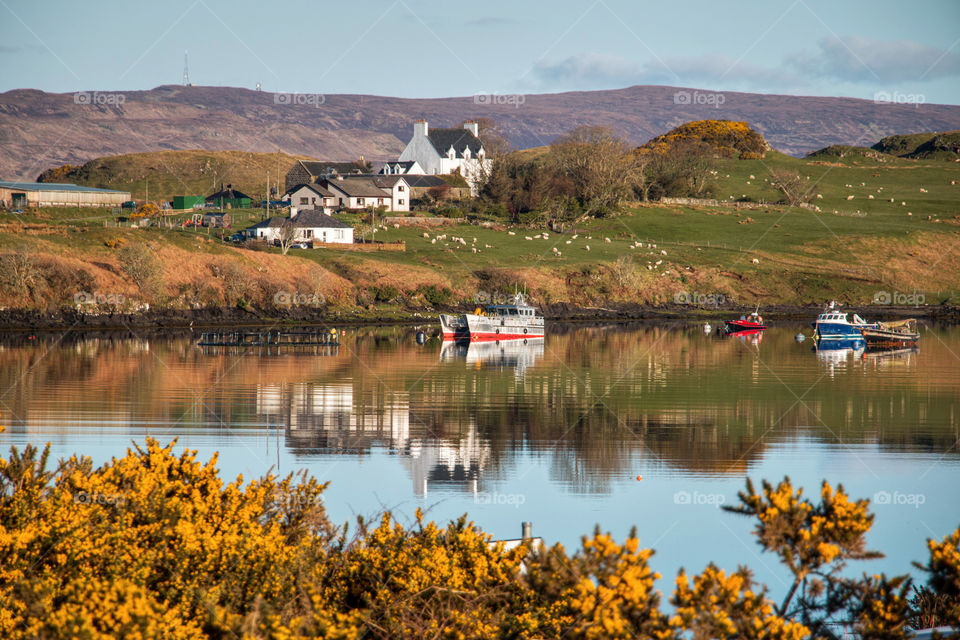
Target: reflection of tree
x,y
596,400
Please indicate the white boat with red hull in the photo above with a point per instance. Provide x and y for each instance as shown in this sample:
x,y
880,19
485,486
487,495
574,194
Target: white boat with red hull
x,y
497,322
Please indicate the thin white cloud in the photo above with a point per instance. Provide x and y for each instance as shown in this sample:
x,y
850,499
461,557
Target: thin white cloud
x,y
855,59
604,71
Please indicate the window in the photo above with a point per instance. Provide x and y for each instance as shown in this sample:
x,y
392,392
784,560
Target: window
x,y
304,201
400,187
399,201
313,200
360,201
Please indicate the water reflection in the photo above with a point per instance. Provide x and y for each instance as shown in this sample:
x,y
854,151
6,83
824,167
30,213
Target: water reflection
x,y
594,402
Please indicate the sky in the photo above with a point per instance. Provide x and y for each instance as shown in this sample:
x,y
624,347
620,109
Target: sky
x,y
888,50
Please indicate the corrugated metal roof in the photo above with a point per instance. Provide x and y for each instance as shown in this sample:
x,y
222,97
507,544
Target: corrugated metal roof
x,y
53,186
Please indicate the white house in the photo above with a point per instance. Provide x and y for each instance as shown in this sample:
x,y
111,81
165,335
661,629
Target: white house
x,y
311,196
442,151
310,226
361,192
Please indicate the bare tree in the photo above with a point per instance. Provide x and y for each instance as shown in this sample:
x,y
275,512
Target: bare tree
x,y
287,234
601,166
795,188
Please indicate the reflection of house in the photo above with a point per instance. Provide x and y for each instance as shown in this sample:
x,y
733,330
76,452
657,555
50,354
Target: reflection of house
x,y
330,419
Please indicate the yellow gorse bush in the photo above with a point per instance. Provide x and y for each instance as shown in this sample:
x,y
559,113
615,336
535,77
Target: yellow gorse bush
x,y
156,545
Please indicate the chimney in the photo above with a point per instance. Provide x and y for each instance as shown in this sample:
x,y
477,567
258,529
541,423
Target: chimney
x,y
527,529
420,128
472,127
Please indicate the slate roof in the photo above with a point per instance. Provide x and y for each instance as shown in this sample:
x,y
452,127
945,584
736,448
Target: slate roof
x,y
307,218
404,165
412,179
227,194
316,188
459,139
357,187
325,168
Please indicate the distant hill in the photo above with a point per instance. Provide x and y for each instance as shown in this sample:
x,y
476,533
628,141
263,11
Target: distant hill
x,y
164,174
928,146
725,138
40,130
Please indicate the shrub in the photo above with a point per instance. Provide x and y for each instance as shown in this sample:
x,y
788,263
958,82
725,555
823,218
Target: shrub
x,y
143,267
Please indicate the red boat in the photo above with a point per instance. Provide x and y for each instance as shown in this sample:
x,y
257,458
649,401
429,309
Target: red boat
x,y
753,322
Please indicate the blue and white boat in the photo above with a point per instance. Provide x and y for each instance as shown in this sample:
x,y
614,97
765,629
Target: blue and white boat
x,y
834,324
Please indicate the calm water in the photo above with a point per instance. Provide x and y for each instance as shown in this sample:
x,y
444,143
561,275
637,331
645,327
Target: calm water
x,y
554,432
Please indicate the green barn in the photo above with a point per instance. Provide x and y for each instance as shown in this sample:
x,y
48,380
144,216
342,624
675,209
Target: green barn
x,y
187,202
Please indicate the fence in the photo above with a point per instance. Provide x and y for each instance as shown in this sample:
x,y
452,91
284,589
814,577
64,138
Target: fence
x,y
710,202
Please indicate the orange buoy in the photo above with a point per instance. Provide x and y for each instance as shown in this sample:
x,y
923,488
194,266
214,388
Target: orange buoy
x,y
639,478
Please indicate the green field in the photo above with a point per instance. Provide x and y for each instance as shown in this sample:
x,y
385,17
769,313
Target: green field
x,y
850,250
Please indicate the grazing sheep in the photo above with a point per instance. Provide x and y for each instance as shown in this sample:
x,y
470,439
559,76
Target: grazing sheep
x,y
511,233
891,199
606,239
819,196
752,177
755,261
870,197
586,247
434,241
426,235
528,237
922,190
574,236
569,241
850,197
903,204
662,252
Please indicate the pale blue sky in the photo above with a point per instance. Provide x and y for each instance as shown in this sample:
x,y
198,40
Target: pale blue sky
x,y
414,48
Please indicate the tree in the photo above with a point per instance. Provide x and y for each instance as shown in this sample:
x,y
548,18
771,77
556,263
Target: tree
x,y
286,235
796,190
144,268
602,168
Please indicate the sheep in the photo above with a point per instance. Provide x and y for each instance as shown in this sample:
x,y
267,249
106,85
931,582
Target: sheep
x,y
528,237
870,197
850,197
574,236
755,261
569,242
606,239
434,241
752,177
662,252
511,233
819,196
922,190
426,235
586,247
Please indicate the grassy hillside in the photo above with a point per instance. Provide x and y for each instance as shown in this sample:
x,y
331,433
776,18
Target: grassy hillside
x,y
859,244
165,174
926,146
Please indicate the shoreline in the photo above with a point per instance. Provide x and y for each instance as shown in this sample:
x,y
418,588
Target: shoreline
x,y
22,321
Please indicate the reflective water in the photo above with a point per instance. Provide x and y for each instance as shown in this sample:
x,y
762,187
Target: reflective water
x,y
555,431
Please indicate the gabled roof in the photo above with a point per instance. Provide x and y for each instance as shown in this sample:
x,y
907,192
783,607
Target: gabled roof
x,y
322,168
405,165
316,188
415,180
316,219
459,139
227,194
308,218
388,181
357,187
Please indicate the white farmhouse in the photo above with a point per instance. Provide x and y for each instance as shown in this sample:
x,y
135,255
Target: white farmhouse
x,y
310,225
444,151
361,192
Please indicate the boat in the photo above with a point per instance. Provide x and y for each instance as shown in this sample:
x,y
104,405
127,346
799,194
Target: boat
x,y
516,320
896,334
753,322
834,324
